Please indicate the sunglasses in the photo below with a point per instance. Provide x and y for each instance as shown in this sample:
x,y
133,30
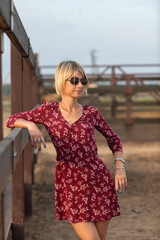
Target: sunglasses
x,y
75,80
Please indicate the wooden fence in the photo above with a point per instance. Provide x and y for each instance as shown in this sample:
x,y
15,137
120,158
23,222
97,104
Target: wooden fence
x,y
16,154
102,83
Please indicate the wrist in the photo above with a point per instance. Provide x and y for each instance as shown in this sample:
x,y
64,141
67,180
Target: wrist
x,y
29,124
118,163
119,159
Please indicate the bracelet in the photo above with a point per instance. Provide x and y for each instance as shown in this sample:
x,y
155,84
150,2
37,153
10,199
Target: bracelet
x,y
122,159
119,168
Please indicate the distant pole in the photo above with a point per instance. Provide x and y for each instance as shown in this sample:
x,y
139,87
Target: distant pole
x,y
113,95
93,61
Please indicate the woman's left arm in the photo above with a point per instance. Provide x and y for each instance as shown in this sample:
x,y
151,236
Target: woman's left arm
x,y
115,145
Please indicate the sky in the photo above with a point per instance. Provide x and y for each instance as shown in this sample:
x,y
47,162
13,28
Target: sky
x,y
121,31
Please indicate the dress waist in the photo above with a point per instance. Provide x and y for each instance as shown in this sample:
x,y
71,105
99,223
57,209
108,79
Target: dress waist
x,y
76,155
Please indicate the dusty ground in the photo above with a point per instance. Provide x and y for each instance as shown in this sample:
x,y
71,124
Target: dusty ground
x,y
140,204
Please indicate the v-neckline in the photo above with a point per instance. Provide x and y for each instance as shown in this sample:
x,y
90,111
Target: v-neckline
x,y
70,124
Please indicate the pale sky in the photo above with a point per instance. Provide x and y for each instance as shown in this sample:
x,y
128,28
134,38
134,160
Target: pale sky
x,y
122,31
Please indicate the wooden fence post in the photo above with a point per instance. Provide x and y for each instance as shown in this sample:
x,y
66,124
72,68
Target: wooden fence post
x,y
1,217
1,102
18,175
28,152
128,94
1,137
113,96
18,201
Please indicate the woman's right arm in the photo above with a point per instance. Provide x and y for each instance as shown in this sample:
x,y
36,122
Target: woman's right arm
x,y
35,134
28,120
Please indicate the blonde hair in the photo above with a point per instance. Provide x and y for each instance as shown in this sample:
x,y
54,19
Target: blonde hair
x,y
65,70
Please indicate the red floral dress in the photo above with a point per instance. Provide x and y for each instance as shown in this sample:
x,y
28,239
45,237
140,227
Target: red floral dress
x,y
84,188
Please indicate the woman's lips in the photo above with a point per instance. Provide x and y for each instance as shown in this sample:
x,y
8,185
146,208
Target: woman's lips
x,y
78,91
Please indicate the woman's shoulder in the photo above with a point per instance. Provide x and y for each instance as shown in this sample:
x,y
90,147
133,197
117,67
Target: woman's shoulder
x,y
91,108
47,104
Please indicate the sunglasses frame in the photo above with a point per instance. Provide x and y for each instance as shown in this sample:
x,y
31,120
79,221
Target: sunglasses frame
x,y
74,82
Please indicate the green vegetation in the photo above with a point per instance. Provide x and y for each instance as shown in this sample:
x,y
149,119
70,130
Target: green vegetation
x,y
107,98
121,98
139,98
6,89
6,96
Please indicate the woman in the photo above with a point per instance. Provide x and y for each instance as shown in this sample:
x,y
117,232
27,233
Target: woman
x,y
85,193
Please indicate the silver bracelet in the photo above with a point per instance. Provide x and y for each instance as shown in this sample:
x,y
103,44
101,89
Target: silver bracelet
x,y
121,159
119,168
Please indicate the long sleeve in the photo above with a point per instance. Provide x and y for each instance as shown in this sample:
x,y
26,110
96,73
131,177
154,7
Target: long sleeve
x,y
35,115
102,126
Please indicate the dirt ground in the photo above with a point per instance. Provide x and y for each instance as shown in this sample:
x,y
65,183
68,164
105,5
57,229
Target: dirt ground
x,y
140,203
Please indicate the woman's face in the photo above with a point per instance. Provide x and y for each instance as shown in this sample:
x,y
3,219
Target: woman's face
x,y
74,90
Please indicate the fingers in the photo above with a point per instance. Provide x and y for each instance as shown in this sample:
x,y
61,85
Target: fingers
x,y
43,142
32,140
116,184
121,185
39,141
36,140
120,180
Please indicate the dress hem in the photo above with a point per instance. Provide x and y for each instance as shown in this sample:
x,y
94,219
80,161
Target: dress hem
x,y
92,220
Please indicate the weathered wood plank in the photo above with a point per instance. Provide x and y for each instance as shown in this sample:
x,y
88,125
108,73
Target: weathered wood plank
x,y
28,165
31,56
19,137
26,88
51,79
1,216
109,66
16,80
34,91
102,90
1,105
135,120
121,89
5,14
28,152
7,208
18,201
6,152
107,77
142,103
18,34
11,23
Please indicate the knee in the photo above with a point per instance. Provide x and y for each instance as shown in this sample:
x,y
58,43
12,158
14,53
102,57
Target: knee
x,y
91,238
103,238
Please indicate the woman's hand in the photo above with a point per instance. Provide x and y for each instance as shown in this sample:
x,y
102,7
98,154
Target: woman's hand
x,y
120,178
36,136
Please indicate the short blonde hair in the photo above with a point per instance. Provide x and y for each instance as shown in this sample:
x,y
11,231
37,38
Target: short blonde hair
x,y
64,71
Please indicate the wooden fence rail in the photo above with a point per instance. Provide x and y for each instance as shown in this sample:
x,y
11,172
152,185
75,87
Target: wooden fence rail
x,y
16,154
113,80
12,175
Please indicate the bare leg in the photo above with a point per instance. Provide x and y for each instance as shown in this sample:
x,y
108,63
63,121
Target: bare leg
x,y
86,230
102,227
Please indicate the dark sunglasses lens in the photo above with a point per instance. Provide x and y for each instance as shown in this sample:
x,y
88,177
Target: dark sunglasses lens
x,y
84,81
74,80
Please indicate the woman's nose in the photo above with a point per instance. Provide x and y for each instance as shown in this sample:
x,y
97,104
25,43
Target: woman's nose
x,y
80,84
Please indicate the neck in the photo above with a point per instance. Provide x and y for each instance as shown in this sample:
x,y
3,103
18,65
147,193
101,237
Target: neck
x,y
68,103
